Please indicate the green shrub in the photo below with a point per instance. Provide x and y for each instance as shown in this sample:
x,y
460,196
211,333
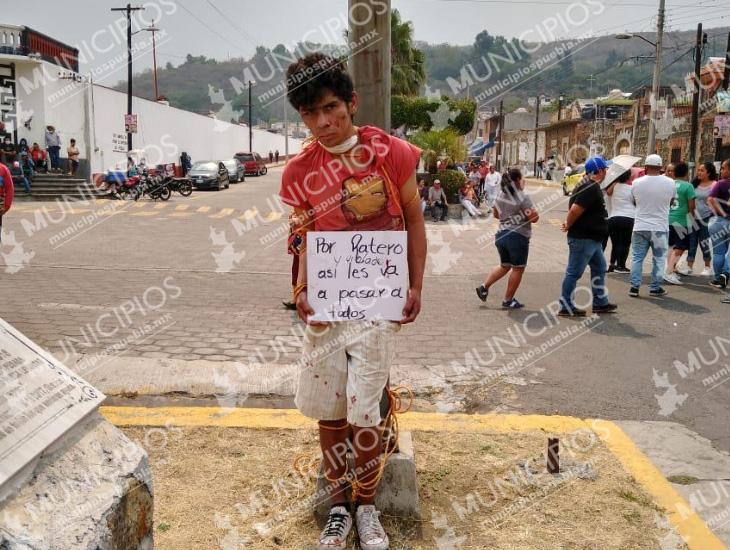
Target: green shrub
x,y
451,181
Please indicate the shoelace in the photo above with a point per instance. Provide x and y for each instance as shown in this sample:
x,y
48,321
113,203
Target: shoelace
x,y
370,525
335,525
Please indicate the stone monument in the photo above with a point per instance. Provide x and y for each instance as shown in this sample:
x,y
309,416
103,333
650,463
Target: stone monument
x,y
68,478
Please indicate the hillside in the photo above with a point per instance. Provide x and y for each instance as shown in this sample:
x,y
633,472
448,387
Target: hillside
x,y
595,66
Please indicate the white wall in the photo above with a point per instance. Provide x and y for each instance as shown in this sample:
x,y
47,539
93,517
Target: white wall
x,y
163,132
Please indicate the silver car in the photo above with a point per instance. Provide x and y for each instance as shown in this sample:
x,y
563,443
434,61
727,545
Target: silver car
x,y
236,170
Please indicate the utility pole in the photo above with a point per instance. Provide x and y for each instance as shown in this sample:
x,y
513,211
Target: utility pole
x,y
153,30
725,83
695,101
370,65
286,131
129,9
537,124
560,107
656,80
250,119
591,79
500,127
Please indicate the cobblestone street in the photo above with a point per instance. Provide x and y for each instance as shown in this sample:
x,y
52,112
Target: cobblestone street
x,y
206,287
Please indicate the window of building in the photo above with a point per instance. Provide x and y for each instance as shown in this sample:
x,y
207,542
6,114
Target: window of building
x,y
676,154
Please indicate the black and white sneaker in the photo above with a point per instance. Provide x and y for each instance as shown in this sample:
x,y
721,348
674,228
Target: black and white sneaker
x,y
512,304
334,534
482,292
621,269
658,292
371,533
634,292
722,277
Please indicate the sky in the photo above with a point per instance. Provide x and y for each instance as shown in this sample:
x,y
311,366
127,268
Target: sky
x,y
233,28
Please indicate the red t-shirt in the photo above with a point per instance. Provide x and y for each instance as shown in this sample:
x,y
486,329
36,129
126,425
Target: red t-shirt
x,y
339,198
483,171
7,189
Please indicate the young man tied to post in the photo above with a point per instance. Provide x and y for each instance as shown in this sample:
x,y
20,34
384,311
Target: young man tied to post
x,y
349,178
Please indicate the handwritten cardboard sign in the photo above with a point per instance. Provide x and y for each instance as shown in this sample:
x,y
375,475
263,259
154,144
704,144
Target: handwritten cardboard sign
x,y
357,275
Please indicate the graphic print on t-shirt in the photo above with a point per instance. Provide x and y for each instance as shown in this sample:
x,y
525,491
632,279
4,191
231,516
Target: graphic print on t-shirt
x,y
364,200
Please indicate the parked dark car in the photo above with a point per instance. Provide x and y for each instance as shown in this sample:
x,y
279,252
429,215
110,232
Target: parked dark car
x,y
236,171
209,174
254,164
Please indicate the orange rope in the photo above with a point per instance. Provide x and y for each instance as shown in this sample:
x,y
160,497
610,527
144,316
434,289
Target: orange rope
x,y
366,489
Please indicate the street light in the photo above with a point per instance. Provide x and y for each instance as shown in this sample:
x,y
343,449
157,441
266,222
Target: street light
x,y
651,142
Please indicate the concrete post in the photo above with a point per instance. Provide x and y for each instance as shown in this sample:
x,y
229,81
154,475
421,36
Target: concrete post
x,y
370,62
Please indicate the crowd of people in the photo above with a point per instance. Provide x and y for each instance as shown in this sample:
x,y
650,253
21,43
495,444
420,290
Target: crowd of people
x,y
655,208
23,161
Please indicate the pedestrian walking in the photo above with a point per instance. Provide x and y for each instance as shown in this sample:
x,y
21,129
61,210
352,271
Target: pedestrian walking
x,y
271,156
700,235
53,146
719,201
186,163
276,156
437,200
621,212
653,195
587,226
375,174
540,165
681,216
516,214
491,186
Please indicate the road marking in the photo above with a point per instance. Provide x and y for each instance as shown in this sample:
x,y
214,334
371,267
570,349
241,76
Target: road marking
x,y
180,207
685,520
223,213
556,222
144,213
160,206
249,214
139,204
203,209
180,214
273,216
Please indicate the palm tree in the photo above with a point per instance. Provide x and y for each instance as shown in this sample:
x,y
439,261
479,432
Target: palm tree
x,y
437,145
407,62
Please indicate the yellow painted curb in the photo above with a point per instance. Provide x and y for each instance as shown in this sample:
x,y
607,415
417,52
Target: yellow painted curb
x,y
694,530
687,523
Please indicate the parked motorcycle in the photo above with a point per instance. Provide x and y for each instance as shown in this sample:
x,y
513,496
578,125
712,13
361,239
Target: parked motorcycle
x,y
182,185
154,187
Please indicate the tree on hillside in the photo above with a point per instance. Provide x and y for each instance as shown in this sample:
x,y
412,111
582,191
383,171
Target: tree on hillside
x,y
408,72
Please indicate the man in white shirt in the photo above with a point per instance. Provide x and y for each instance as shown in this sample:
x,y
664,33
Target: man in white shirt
x,y
491,185
653,195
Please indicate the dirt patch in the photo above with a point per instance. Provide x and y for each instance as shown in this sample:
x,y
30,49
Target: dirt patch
x,y
233,488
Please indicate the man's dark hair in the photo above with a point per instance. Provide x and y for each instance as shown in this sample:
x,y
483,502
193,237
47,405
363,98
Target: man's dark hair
x,y
624,177
309,78
681,169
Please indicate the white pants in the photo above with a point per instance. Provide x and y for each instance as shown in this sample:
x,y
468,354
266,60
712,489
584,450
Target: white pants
x,y
470,207
344,369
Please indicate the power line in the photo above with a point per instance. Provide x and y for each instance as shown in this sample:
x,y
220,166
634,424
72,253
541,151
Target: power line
x,y
211,29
